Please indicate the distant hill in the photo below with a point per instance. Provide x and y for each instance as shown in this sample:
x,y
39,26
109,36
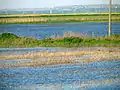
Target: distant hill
x,y
63,9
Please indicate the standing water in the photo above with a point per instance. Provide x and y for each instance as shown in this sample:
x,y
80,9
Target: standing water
x,y
103,75
41,31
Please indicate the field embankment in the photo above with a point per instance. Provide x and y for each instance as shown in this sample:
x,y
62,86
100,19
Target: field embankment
x,y
8,40
57,18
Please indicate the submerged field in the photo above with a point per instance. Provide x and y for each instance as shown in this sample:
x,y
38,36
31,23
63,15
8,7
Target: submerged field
x,y
56,69
92,76
63,63
55,18
45,68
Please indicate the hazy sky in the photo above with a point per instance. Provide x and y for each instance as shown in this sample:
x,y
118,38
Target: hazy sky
x,y
48,3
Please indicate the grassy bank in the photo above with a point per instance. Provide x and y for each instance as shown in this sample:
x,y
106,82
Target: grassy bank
x,y
56,15
8,40
57,18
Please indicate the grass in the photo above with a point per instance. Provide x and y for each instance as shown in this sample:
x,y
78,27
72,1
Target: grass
x,y
8,40
58,15
57,18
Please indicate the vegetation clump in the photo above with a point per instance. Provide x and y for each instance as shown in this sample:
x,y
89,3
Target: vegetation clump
x,y
7,36
11,40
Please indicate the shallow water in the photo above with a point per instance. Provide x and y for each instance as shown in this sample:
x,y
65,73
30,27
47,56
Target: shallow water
x,y
103,75
41,31
15,61
18,51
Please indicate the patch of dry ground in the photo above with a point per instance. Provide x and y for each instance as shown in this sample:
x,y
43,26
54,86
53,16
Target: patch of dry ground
x,y
62,57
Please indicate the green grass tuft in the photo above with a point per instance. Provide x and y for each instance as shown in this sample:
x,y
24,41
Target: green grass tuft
x,y
10,40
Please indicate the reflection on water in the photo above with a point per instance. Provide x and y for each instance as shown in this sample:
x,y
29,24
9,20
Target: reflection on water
x,y
104,75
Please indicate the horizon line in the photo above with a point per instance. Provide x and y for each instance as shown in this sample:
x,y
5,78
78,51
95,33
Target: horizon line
x,y
56,6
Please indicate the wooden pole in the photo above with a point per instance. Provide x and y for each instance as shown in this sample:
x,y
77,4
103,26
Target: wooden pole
x,y
109,25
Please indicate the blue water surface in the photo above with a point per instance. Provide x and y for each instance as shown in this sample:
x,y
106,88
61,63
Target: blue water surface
x,y
41,31
103,75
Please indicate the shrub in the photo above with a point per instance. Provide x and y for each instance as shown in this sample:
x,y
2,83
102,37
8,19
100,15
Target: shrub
x,y
7,36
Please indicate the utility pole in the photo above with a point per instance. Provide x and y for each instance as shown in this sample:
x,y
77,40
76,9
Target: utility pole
x,y
109,25
51,10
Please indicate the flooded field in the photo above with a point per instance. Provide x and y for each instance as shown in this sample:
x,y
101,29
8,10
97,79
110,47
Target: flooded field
x,y
103,75
41,31
59,45
47,68
83,75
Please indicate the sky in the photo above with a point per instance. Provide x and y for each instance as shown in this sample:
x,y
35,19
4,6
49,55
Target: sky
x,y
14,4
